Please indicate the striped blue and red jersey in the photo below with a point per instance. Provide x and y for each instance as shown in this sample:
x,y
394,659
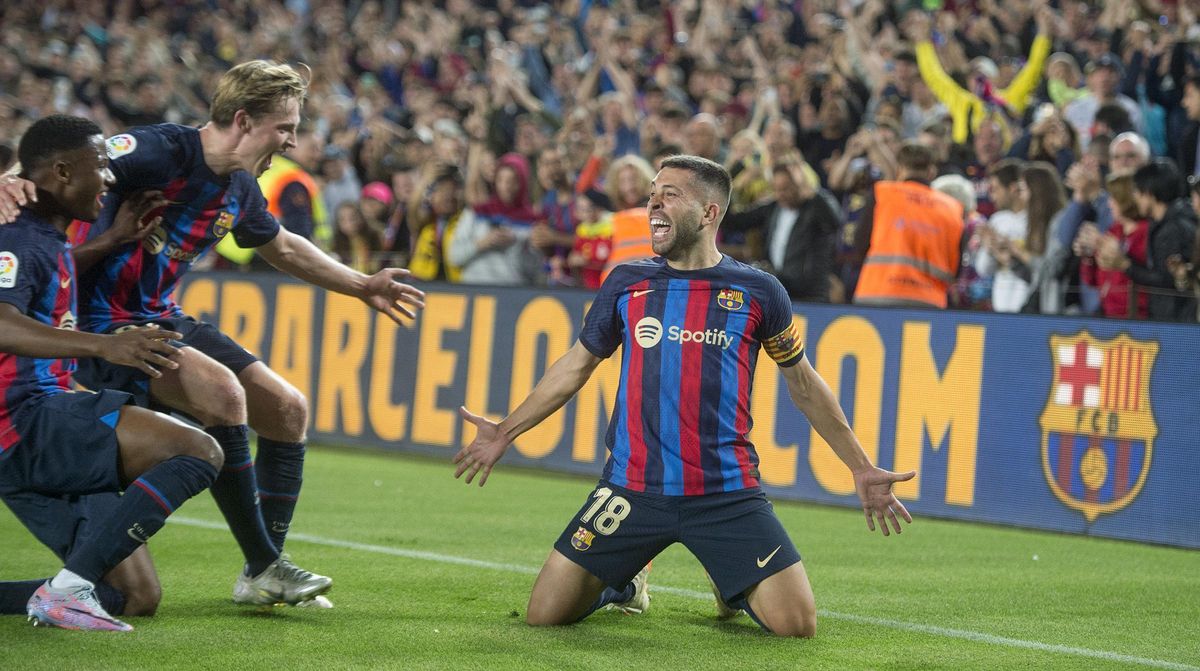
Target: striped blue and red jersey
x,y
136,282
690,342
37,277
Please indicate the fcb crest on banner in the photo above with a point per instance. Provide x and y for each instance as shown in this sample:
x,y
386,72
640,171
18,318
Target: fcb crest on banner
x,y
1098,426
731,299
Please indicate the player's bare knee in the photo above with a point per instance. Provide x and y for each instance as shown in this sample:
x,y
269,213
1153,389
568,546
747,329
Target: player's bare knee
x,y
537,616
292,409
795,624
227,405
195,443
143,598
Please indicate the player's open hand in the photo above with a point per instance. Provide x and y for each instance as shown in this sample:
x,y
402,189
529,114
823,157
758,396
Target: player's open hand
x,y
386,293
874,487
145,348
483,452
14,194
134,221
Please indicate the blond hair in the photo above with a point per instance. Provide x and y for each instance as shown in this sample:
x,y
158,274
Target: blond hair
x,y
641,168
258,87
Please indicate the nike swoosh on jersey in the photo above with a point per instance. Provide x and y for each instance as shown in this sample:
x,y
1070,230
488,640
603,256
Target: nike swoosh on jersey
x,y
642,292
763,562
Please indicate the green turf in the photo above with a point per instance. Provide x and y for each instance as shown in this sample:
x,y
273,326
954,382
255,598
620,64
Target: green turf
x,y
395,612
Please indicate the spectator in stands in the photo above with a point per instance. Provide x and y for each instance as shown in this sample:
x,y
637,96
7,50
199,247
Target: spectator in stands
x,y
1130,230
436,207
968,106
355,242
910,237
593,239
1007,228
1188,153
970,291
1042,258
627,185
1103,86
493,247
376,205
799,228
1050,138
1158,190
554,233
339,183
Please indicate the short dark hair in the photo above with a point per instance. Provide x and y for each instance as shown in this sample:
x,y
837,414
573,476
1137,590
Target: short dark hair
x,y
1160,179
1116,117
712,177
52,135
915,157
1007,171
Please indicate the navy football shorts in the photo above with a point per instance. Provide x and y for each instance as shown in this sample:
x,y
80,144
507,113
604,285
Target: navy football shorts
x,y
735,535
68,445
202,336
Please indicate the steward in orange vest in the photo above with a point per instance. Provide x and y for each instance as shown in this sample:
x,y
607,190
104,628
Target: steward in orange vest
x,y
915,238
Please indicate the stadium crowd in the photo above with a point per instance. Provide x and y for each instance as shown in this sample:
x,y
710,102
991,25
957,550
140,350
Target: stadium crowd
x,y
1024,157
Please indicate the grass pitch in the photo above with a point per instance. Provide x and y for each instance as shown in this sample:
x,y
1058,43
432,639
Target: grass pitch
x,y
432,574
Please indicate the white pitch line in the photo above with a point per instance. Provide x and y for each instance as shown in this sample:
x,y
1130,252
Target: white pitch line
x,y
695,594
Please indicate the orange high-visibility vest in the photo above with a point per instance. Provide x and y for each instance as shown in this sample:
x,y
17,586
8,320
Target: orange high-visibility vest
x,y
283,171
630,238
914,252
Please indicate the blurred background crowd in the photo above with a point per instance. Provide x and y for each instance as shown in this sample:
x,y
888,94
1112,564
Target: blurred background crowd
x,y
513,142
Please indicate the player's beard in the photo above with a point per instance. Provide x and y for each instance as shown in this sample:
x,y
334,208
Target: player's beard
x,y
685,232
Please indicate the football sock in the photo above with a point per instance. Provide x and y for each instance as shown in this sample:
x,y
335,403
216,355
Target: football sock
x,y
67,579
280,468
610,595
235,492
15,595
141,513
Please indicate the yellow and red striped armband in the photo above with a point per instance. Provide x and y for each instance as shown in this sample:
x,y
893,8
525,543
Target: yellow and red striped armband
x,y
785,348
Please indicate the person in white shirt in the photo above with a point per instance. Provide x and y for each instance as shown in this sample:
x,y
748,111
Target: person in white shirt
x,y
1006,229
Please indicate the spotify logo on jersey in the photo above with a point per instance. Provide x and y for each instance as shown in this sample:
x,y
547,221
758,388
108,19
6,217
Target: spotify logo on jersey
x,y
648,332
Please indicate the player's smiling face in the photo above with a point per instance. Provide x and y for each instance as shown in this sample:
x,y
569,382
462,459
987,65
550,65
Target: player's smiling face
x,y
268,135
675,213
90,179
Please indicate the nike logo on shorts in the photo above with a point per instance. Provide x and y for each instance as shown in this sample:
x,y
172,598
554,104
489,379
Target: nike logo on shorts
x,y
763,562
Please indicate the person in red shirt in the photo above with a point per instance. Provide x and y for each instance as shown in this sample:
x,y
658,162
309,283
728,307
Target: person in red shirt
x,y
593,238
1129,231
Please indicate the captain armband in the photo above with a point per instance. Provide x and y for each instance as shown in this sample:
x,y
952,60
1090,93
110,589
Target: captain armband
x,y
785,348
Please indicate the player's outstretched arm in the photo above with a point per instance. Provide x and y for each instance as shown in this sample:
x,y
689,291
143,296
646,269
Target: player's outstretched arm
x,y
873,484
383,291
14,194
145,348
562,380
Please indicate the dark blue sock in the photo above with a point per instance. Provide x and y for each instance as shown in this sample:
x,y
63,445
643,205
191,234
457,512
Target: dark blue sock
x,y
235,492
280,468
141,513
610,595
15,594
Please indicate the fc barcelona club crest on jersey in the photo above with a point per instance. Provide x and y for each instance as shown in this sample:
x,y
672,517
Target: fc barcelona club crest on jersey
x,y
1098,426
731,299
582,540
223,223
